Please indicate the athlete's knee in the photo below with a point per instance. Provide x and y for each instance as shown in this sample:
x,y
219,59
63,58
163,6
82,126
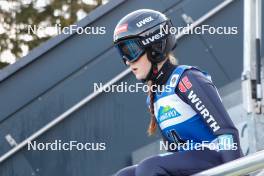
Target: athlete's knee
x,y
149,167
127,171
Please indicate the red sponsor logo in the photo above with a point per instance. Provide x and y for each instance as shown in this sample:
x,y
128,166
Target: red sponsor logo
x,y
186,82
182,87
120,29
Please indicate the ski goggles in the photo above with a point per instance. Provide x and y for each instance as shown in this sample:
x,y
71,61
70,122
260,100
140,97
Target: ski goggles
x,y
130,50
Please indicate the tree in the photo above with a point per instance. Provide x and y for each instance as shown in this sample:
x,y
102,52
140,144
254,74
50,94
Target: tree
x,y
17,15
3,64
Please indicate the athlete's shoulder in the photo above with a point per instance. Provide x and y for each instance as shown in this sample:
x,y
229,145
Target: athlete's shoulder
x,y
197,74
193,77
184,71
177,73
179,69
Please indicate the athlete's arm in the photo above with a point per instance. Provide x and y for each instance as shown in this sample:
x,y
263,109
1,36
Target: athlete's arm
x,y
200,93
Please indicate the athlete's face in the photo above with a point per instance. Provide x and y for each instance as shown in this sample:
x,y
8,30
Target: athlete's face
x,y
141,67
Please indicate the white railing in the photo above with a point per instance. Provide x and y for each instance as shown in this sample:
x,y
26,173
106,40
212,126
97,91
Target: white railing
x,y
241,166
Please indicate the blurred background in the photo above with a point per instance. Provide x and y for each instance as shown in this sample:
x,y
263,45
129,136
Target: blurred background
x,y
45,74
16,16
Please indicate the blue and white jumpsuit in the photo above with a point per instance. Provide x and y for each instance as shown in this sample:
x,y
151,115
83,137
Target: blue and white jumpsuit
x,y
188,111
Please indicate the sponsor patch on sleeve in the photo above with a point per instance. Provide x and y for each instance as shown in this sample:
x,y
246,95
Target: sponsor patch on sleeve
x,y
174,80
182,87
186,82
226,142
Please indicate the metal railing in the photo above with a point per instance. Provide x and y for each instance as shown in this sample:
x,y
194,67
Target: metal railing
x,y
241,166
77,106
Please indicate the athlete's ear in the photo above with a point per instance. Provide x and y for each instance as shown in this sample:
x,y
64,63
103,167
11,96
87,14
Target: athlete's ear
x,y
149,56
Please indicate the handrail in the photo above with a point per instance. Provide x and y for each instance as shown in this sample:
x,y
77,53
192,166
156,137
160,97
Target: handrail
x,y
206,16
63,115
94,94
241,166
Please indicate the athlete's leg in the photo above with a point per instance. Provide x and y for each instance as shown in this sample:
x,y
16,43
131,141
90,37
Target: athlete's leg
x,y
178,164
127,171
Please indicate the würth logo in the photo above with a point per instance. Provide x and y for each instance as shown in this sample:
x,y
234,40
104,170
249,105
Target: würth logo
x,y
199,106
144,21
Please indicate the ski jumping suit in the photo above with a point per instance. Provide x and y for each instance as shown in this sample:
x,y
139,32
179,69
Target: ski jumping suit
x,y
188,111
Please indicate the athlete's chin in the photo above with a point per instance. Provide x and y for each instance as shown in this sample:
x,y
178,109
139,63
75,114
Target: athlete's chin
x,y
140,77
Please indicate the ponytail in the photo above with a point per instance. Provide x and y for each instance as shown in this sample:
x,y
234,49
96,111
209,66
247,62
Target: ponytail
x,y
152,124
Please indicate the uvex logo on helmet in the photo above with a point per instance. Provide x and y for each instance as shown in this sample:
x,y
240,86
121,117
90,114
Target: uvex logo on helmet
x,y
153,38
144,21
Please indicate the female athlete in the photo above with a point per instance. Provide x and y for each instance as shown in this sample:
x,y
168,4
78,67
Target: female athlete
x,y
183,101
